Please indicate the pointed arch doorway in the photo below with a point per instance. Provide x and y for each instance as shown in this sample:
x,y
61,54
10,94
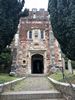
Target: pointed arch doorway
x,y
37,64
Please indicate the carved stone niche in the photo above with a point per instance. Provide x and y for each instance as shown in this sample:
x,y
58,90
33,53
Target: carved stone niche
x,y
36,44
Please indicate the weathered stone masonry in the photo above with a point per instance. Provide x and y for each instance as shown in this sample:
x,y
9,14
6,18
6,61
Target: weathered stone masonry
x,y
33,48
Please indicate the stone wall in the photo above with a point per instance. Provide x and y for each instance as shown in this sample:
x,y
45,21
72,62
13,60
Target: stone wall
x,y
9,85
36,45
67,90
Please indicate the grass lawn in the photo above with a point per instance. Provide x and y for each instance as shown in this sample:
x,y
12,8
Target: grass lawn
x,y
59,77
6,78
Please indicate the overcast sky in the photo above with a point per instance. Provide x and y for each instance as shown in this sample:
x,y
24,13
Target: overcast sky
x,y
36,4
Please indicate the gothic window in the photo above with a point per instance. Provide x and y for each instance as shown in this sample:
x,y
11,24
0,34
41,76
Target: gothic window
x,y
42,34
30,34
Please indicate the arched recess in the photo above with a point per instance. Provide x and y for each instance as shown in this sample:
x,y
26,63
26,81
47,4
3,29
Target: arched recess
x,y
37,64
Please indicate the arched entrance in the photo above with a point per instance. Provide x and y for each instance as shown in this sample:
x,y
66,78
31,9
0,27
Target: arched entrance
x,y
37,64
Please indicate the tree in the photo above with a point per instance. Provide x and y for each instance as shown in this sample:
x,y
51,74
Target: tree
x,y
62,16
10,13
5,60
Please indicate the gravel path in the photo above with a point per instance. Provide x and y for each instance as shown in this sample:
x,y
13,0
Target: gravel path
x,y
34,84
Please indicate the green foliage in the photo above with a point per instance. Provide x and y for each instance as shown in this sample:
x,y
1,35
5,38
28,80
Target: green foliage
x,y
24,13
5,60
5,78
59,77
10,13
62,16
73,64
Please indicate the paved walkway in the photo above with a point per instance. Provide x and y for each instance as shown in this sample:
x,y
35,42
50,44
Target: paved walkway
x,y
34,84
33,88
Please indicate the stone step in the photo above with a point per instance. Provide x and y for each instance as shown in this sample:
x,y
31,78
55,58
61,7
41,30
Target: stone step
x,y
37,75
50,99
31,95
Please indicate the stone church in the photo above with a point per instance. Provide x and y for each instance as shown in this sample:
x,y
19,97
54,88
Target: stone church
x,y
32,44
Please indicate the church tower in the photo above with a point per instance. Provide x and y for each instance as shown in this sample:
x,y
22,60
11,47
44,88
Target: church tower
x,y
33,47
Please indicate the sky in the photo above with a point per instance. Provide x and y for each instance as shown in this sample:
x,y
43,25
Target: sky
x,y
36,4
